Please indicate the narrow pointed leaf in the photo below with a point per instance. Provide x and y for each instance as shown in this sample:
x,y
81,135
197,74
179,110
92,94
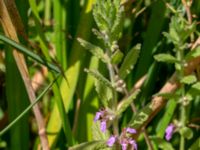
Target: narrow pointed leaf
x,y
104,92
129,61
166,58
99,77
93,145
95,50
125,103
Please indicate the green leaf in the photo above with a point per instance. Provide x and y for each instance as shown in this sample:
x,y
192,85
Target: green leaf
x,y
167,95
93,145
166,58
166,119
189,79
129,61
196,86
28,53
116,58
195,145
162,144
104,92
99,77
123,105
186,132
95,50
193,54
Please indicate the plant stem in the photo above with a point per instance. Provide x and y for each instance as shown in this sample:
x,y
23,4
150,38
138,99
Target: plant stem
x,y
180,56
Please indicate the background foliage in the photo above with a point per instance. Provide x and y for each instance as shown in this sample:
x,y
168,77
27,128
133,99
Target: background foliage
x,y
139,60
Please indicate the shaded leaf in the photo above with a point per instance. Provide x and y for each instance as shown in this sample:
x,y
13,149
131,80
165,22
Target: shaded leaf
x,y
162,144
104,92
195,145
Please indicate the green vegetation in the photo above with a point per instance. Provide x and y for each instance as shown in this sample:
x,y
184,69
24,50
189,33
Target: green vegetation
x,y
99,74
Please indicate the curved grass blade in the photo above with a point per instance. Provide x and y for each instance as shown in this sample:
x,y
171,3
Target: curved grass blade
x,y
28,108
28,53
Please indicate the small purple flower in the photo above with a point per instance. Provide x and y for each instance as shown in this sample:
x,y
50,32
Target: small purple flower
x,y
131,130
104,116
97,116
169,132
124,146
111,141
124,139
134,144
103,126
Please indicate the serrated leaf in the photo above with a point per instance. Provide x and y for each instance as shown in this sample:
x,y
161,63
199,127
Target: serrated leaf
x,y
95,50
193,54
123,105
93,145
104,92
186,132
162,144
116,58
189,79
97,134
166,58
129,61
99,77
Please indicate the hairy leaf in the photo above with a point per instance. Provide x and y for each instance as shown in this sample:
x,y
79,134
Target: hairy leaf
x,y
99,77
104,92
123,105
129,61
95,50
98,134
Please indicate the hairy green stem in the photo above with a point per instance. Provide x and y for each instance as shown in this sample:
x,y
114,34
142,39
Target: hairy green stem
x,y
180,55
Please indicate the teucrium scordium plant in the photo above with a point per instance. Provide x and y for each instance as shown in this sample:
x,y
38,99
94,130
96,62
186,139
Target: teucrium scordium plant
x,y
108,16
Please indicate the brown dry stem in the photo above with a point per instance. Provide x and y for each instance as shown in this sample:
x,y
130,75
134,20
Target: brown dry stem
x,y
10,27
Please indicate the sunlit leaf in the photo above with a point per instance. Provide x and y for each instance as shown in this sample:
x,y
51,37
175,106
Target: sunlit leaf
x,y
166,58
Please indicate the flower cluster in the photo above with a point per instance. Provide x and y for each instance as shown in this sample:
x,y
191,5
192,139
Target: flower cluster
x,y
124,139
104,116
169,131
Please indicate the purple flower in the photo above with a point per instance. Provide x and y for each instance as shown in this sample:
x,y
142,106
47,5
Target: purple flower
x,y
111,141
103,126
134,144
124,146
104,116
124,139
169,132
97,116
131,130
